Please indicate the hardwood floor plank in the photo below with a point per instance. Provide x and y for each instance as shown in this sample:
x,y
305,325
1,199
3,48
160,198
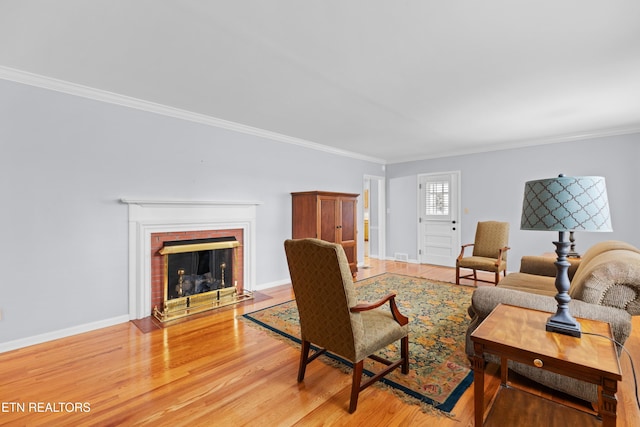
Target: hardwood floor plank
x,y
215,369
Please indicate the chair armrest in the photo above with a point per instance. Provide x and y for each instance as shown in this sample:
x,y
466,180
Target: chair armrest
x,y
399,317
462,250
545,266
502,252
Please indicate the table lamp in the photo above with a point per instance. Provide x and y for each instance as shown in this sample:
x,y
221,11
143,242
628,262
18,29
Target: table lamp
x,y
565,204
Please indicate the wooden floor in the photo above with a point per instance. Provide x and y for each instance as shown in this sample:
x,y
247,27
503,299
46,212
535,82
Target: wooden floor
x,y
217,370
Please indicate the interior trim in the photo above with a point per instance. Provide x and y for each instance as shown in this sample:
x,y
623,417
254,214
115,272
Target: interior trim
x,y
32,79
63,86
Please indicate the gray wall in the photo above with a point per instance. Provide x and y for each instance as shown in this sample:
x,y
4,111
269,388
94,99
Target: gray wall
x,y
493,183
67,161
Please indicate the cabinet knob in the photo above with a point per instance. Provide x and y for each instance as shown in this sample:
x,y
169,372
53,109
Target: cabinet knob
x,y
538,363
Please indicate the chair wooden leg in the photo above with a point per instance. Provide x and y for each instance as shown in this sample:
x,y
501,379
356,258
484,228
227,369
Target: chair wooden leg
x,y
304,359
404,353
497,277
355,385
475,277
457,275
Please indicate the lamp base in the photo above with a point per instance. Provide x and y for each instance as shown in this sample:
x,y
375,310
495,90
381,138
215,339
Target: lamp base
x,y
565,327
563,322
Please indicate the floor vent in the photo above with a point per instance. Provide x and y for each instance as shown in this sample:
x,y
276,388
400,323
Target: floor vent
x,y
401,257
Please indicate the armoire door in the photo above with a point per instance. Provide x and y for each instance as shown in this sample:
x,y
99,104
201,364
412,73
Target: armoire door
x,y
347,229
329,215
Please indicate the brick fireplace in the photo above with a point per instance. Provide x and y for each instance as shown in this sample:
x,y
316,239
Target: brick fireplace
x,y
154,222
167,305
157,260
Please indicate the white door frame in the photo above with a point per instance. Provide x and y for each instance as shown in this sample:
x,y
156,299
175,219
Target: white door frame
x,y
380,205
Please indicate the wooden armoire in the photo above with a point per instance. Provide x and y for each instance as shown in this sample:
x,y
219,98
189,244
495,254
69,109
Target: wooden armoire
x,y
327,216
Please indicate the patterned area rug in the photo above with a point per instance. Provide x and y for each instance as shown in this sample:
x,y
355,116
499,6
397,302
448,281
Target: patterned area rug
x,y
439,370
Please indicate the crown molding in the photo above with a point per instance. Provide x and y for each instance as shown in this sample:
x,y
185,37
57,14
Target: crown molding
x,y
604,133
37,80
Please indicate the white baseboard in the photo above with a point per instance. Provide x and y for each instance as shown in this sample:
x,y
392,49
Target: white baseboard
x,y
75,330
264,286
408,261
62,333
87,327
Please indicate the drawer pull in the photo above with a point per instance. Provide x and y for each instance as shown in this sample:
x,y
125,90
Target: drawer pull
x,y
538,363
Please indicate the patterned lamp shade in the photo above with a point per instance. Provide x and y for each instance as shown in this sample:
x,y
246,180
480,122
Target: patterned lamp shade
x,y
566,204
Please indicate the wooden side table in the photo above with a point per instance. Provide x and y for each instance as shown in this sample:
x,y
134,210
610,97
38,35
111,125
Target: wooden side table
x,y
518,334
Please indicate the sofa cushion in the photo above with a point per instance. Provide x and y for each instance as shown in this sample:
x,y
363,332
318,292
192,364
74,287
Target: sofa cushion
x,y
541,265
532,283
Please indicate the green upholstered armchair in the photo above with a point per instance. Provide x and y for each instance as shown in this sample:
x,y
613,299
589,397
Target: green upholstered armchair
x,y
332,319
489,251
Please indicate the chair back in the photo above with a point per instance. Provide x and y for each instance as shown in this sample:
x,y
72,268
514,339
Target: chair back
x,y
324,292
491,236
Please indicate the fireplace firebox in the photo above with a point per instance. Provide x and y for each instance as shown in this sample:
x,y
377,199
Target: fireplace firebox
x,y
198,276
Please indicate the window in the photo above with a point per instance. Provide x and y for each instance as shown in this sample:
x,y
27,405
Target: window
x,y
437,198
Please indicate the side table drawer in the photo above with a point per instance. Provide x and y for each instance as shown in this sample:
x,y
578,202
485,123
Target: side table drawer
x,y
553,365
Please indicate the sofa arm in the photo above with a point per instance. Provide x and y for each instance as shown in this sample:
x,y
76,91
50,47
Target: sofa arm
x,y
611,279
545,266
485,299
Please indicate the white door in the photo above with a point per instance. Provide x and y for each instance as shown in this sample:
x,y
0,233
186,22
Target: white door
x,y
438,218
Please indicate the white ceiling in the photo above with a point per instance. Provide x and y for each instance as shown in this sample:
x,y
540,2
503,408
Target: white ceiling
x,y
393,80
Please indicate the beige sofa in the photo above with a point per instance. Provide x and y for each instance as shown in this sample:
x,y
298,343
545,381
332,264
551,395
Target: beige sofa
x,y
605,285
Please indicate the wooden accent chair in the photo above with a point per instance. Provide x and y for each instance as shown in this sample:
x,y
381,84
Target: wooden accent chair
x,y
489,251
331,318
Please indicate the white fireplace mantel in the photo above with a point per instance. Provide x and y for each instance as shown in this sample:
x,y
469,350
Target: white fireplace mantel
x,y
159,216
188,203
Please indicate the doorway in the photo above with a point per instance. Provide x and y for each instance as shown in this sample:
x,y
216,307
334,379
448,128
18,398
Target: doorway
x,y
439,218
374,218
